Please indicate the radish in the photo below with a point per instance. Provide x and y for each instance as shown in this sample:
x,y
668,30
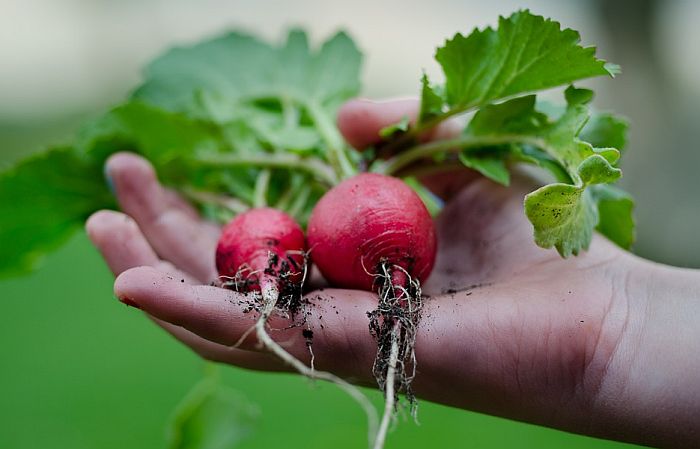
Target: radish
x,y
263,251
373,232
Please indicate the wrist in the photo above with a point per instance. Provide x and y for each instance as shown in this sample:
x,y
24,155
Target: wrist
x,y
651,391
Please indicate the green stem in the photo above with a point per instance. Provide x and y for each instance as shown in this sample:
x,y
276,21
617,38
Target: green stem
x,y
300,201
336,146
415,131
289,113
289,161
233,204
286,198
402,160
262,182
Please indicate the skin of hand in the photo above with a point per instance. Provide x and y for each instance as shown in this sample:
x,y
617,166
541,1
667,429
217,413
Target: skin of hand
x,y
603,344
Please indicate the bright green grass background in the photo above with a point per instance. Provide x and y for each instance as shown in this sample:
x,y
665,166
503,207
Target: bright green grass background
x,y
80,370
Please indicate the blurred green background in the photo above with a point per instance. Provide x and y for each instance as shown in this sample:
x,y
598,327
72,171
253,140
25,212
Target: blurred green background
x,y
79,370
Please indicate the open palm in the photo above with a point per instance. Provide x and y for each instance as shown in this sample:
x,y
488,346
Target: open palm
x,y
509,328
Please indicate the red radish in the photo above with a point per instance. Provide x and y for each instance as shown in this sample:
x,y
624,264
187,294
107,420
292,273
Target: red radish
x,y
370,220
259,247
264,250
373,232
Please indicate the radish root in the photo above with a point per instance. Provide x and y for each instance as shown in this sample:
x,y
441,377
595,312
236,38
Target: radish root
x,y
272,299
394,325
390,396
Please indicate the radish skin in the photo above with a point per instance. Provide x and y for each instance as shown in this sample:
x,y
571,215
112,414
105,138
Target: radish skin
x,y
248,242
368,220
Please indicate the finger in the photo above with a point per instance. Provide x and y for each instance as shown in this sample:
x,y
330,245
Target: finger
x,y
175,201
122,245
119,240
361,120
174,234
337,318
216,352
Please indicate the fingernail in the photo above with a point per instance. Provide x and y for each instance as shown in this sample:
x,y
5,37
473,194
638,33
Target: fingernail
x,y
109,181
129,303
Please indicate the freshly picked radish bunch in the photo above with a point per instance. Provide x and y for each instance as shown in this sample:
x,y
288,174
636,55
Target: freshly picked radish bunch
x,y
263,252
253,145
370,232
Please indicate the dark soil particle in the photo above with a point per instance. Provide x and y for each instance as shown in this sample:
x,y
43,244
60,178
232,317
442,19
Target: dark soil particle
x,y
307,333
291,302
454,289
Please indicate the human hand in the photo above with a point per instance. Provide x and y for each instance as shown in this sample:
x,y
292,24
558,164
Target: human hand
x,y
590,344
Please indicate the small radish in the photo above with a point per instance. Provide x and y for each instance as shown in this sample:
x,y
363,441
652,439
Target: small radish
x,y
263,251
373,232
367,221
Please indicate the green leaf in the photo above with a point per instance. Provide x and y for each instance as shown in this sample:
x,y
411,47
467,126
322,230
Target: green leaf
x,y
488,163
211,79
516,116
535,156
574,95
525,54
432,202
334,73
398,127
598,170
157,134
563,216
606,129
431,102
278,91
43,200
212,416
615,211
560,140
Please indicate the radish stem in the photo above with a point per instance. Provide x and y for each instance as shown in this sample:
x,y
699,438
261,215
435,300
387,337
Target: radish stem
x,y
228,202
261,184
336,153
310,165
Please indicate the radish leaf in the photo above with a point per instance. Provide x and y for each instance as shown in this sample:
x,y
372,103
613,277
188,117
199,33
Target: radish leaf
x,y
42,201
525,53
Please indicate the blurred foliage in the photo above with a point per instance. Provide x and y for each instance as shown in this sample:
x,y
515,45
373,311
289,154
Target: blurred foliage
x,y
212,416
